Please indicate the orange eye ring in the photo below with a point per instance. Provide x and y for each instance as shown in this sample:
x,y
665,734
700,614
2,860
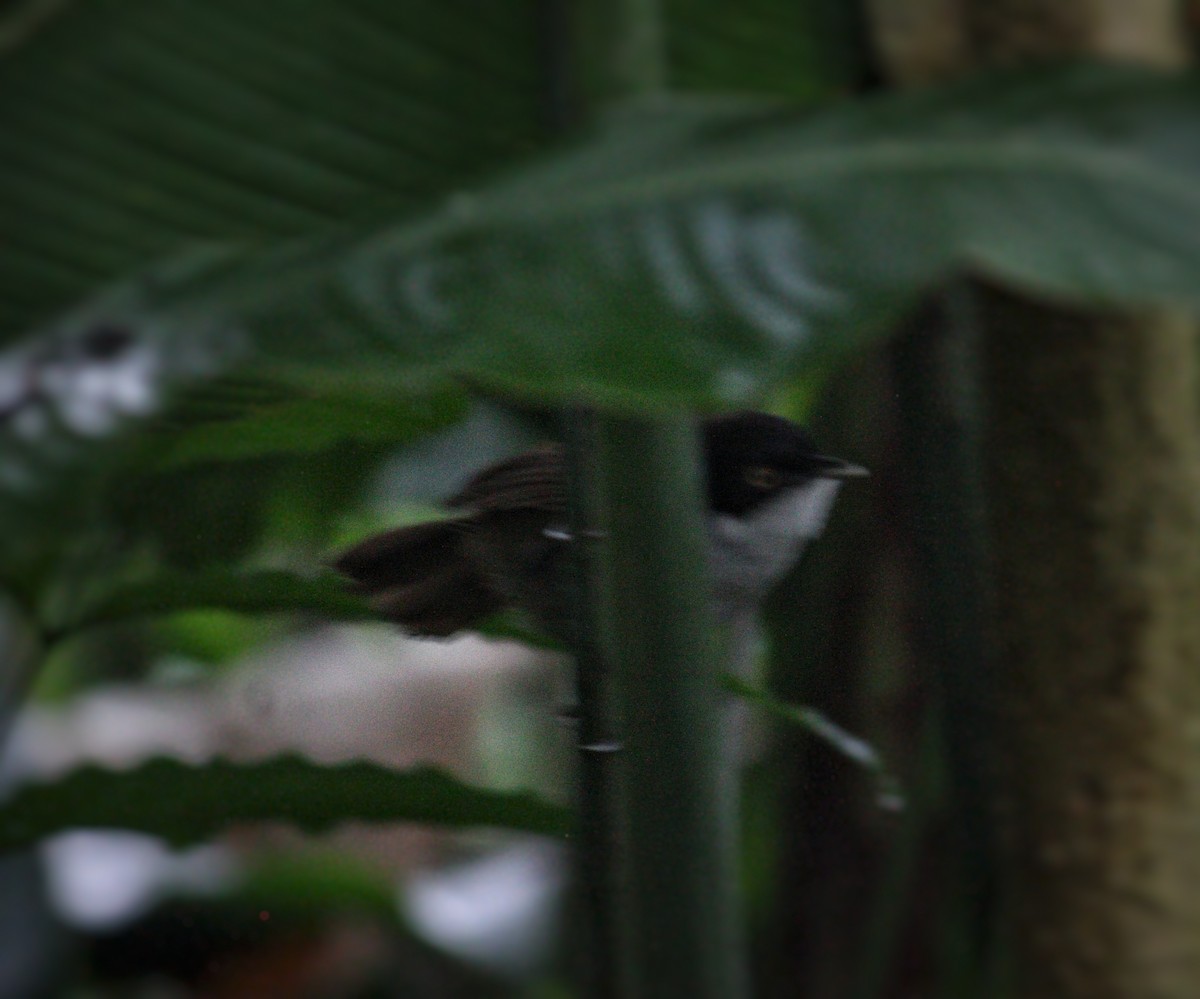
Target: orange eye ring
x,y
762,477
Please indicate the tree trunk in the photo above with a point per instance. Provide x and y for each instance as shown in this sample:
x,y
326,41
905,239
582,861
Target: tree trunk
x,y
1093,454
1095,470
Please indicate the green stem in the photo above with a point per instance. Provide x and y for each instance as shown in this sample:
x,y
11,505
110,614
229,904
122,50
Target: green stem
x,y
659,839
600,847
684,918
937,379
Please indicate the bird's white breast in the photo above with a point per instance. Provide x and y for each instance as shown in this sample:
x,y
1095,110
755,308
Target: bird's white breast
x,y
749,554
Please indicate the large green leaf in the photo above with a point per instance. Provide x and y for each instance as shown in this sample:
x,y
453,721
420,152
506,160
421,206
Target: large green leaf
x,y
699,253
690,253
185,803
130,126
233,419
695,253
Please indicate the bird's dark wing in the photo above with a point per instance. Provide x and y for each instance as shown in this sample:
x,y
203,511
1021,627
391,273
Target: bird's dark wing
x,y
535,480
442,576
421,577
399,556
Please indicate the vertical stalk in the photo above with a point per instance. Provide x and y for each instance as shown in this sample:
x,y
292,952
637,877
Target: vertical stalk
x,y
682,860
885,926
658,837
600,849
604,960
936,364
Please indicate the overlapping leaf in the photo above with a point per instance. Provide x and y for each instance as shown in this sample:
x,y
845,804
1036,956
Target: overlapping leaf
x,y
185,804
697,254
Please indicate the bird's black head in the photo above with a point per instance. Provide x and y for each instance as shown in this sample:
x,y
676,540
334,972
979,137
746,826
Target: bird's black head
x,y
753,457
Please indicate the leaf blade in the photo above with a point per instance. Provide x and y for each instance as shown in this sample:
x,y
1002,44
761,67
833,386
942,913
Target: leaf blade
x,y
186,803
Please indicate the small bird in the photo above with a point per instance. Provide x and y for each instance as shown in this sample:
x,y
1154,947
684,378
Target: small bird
x,y
769,492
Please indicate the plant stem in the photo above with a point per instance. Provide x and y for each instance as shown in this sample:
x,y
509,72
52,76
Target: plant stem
x,y
600,848
937,380
683,913
659,840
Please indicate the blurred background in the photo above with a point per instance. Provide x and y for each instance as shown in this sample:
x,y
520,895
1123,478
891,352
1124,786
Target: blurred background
x,y
248,251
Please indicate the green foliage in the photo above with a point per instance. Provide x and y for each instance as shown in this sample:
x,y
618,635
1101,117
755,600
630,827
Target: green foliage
x,y
703,252
185,803
237,418
132,125
262,592
311,228
801,50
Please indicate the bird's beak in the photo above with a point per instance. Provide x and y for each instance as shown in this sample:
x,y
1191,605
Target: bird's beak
x,y
834,468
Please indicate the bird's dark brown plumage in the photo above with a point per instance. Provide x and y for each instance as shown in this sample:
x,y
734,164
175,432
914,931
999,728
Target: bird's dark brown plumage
x,y
440,577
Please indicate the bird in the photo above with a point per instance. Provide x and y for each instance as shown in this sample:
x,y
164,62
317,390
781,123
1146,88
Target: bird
x,y
769,492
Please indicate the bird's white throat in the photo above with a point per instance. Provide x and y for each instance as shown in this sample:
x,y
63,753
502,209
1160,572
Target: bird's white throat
x,y
750,553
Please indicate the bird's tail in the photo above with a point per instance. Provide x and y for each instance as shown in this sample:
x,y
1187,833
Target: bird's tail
x,y
420,578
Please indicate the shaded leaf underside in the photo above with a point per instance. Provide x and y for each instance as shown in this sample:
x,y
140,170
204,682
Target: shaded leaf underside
x,y
700,253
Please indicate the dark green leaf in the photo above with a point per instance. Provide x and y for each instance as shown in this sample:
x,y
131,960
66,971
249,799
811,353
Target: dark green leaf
x,y
185,803
128,127
239,418
702,253
245,592
801,49
259,592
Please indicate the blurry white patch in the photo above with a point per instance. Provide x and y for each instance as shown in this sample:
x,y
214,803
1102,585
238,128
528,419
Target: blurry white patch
x,y
29,424
727,245
13,384
669,262
103,880
92,396
500,911
421,288
89,395
735,385
135,389
751,553
782,246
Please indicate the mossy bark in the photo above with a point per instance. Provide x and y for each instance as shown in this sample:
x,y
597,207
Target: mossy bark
x,y
1093,458
1095,475
920,41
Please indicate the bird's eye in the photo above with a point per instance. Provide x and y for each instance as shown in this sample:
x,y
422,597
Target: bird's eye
x,y
762,477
